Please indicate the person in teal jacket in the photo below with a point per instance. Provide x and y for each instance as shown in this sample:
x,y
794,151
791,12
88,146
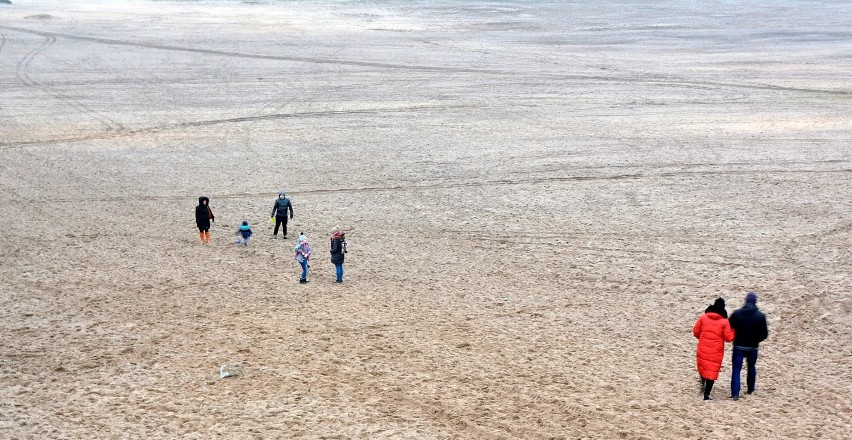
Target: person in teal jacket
x,y
244,233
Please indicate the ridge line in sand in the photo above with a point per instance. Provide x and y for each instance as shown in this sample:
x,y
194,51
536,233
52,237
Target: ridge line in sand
x,y
209,122
562,76
413,187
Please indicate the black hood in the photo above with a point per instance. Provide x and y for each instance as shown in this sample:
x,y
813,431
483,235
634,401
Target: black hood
x,y
717,307
202,199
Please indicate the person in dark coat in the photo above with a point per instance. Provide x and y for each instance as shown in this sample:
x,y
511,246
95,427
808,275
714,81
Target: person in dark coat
x,y
749,325
338,253
279,212
203,218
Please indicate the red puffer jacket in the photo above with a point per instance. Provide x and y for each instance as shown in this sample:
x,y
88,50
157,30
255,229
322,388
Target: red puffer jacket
x,y
712,331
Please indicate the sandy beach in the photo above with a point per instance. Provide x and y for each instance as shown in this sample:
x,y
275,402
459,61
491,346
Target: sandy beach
x,y
540,199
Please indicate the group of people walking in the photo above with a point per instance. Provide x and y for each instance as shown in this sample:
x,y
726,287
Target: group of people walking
x,y
282,211
746,327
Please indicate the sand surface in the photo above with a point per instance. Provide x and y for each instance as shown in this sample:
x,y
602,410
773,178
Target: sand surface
x,y
540,198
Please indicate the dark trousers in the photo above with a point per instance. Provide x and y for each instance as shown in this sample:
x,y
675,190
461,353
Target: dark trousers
x,y
751,376
280,220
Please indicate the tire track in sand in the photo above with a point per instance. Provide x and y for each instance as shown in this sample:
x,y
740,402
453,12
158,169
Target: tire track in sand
x,y
439,69
22,74
450,185
210,122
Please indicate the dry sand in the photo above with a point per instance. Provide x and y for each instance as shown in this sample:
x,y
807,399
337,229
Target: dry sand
x,y
541,200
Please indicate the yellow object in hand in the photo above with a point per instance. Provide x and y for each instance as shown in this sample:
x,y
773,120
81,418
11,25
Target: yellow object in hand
x,y
272,220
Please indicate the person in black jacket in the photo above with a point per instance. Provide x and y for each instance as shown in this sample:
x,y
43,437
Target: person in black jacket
x,y
279,212
203,217
338,253
749,325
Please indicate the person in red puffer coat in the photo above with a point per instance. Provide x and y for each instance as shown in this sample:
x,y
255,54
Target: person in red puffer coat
x,y
712,330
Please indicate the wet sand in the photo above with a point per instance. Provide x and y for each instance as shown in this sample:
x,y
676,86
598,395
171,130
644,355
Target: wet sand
x,y
540,200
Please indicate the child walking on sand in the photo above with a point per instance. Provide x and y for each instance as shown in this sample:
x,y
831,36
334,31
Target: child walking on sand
x,y
303,256
244,233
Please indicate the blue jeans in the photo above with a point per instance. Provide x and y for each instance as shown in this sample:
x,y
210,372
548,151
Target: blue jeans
x,y
737,360
338,269
304,264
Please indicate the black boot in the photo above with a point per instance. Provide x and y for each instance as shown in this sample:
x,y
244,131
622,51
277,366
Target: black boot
x,y
708,386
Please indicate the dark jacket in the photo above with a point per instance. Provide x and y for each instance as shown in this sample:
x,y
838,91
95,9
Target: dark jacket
x,y
203,214
279,209
338,251
749,325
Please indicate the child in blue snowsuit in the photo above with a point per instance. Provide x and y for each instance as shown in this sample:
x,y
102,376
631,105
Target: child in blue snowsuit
x,y
244,233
